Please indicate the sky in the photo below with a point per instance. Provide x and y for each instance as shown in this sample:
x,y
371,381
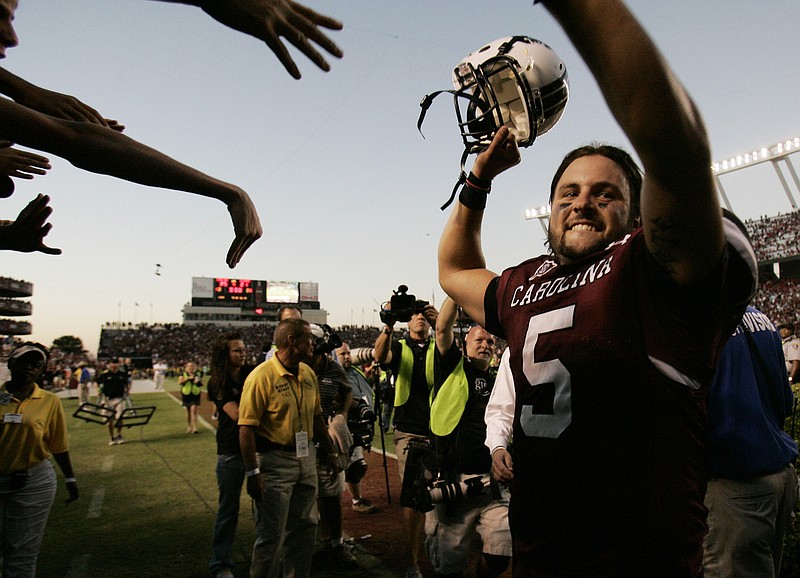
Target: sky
x,y
347,189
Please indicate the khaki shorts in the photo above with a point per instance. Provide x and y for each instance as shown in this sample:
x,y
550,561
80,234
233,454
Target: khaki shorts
x,y
451,528
401,440
117,404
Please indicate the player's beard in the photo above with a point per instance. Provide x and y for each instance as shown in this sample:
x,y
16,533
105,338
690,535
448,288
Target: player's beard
x,y
566,254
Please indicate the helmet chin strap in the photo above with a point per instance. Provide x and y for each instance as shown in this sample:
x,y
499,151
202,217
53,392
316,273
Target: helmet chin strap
x,y
425,104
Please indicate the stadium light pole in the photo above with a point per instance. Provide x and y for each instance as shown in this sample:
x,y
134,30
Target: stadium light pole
x,y
772,154
541,213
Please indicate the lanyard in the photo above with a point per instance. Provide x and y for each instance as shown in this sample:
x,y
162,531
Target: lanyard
x,y
299,400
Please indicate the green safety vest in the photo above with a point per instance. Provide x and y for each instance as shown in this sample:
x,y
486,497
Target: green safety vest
x,y
190,387
449,403
402,384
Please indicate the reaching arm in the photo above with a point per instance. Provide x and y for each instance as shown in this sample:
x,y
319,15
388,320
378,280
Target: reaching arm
x,y
91,147
49,102
680,211
26,234
444,325
269,20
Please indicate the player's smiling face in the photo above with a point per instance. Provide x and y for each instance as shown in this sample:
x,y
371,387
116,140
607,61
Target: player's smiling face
x,y
590,208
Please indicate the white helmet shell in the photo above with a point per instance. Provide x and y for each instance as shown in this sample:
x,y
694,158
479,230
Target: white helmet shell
x,y
515,81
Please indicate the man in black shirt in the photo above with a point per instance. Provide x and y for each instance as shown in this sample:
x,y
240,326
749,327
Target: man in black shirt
x,y
462,384
411,362
114,387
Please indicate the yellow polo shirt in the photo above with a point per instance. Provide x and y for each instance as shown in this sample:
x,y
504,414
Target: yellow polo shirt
x,y
42,432
278,404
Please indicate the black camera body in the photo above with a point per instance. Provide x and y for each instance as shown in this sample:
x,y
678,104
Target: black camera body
x,y
402,307
361,423
425,482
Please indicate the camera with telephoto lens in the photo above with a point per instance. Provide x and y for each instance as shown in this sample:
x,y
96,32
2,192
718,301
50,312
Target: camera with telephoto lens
x,y
361,423
424,483
402,307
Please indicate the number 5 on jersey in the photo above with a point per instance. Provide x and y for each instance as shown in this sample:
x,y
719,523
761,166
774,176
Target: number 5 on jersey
x,y
552,371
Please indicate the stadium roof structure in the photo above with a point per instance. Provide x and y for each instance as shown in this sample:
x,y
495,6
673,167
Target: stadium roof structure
x,y
10,289
15,307
773,154
11,327
15,288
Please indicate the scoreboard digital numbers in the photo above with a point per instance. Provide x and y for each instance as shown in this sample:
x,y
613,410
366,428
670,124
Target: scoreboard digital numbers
x,y
239,291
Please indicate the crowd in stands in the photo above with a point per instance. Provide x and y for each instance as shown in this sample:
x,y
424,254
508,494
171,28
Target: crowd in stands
x,y
776,237
176,344
779,300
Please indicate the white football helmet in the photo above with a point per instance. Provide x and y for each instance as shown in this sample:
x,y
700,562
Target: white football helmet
x,y
515,81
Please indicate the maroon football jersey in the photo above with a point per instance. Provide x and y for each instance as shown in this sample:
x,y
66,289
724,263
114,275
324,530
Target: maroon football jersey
x,y
611,361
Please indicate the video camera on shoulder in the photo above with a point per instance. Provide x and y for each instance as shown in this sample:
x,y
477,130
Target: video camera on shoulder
x,y
425,483
402,307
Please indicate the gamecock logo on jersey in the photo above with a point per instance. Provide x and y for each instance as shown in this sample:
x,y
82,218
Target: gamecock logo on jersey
x,y
548,265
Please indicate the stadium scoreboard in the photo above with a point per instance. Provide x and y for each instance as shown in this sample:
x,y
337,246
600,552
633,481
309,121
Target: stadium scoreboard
x,y
236,290
253,294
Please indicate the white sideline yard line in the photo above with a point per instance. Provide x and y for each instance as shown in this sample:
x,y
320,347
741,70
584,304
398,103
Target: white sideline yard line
x,y
78,567
200,418
96,503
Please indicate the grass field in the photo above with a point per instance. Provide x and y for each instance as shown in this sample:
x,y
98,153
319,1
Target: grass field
x,y
147,507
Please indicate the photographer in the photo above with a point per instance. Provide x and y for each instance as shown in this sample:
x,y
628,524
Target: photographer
x,y
463,382
360,421
335,396
411,361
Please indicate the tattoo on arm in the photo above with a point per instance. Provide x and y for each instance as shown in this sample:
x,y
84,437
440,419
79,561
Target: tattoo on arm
x,y
664,242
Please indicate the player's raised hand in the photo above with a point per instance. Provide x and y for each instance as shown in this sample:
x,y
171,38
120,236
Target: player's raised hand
x,y
271,20
502,154
246,225
21,164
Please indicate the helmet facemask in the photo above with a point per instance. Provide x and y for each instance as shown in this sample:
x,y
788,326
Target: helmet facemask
x,y
508,89
517,82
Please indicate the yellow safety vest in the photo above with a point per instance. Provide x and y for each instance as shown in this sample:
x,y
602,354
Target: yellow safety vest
x,y
190,387
402,384
449,403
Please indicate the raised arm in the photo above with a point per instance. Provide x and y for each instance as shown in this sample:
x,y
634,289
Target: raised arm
x,y
462,267
383,345
93,148
269,20
444,325
680,211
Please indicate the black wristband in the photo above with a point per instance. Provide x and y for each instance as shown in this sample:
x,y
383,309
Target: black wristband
x,y
479,183
473,198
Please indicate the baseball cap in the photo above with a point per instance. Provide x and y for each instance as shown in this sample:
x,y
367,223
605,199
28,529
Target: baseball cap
x,y
28,348
317,331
